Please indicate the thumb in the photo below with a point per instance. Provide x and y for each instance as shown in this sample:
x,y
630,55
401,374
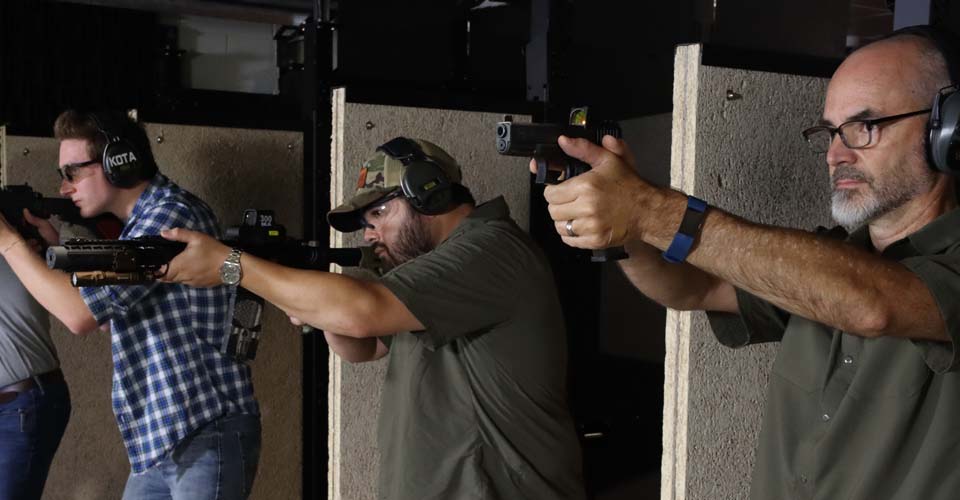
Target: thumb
x,y
585,151
619,147
176,234
29,217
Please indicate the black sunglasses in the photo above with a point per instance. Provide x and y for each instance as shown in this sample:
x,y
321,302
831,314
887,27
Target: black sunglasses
x,y
69,171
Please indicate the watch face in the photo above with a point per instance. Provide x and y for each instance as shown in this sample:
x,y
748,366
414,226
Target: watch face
x,y
230,274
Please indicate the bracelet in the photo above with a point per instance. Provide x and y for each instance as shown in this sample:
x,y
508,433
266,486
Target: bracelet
x,y
686,236
15,243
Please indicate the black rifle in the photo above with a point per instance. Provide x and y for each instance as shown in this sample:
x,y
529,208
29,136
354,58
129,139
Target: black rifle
x,y
141,260
539,141
13,199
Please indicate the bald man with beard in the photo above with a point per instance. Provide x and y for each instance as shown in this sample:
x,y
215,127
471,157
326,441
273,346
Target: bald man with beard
x,y
865,396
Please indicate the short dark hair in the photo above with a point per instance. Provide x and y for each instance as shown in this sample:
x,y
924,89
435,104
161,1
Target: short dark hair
x,y
73,124
462,195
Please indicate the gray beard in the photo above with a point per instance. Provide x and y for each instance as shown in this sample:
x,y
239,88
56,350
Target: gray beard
x,y
852,209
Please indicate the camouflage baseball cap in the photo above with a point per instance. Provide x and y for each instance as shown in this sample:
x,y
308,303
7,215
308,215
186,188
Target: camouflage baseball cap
x,y
380,176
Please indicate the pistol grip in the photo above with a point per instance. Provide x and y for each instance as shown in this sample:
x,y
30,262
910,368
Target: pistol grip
x,y
574,168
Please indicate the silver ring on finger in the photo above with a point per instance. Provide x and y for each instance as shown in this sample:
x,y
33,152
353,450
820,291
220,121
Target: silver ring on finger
x,y
569,227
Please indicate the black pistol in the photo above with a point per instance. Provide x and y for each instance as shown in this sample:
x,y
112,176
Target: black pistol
x,y
539,141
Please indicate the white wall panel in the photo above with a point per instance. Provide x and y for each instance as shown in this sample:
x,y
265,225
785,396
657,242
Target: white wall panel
x,y
744,155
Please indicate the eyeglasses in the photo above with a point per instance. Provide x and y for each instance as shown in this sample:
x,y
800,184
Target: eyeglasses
x,y
69,171
855,134
378,207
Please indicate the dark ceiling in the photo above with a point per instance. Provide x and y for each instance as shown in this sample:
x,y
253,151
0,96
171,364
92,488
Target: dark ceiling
x,y
270,11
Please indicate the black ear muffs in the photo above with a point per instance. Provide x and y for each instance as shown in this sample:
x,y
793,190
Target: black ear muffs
x,y
943,142
123,164
425,185
427,188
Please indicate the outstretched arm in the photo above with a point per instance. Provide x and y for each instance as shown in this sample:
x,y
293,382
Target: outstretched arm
x,y
815,277
682,287
356,350
328,301
352,349
52,289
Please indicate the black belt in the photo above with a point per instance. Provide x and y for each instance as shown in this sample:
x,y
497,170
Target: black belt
x,y
9,392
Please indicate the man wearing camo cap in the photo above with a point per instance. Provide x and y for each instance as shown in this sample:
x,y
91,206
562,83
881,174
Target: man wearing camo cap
x,y
474,402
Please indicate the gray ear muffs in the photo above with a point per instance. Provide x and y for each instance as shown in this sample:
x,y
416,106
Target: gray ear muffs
x,y
943,147
942,150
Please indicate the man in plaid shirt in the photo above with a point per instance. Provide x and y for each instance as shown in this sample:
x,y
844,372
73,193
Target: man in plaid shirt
x,y
186,410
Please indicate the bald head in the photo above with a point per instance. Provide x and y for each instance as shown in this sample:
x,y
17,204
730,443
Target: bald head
x,y
916,61
894,80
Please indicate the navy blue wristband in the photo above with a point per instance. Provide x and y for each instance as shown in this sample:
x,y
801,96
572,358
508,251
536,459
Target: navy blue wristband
x,y
689,230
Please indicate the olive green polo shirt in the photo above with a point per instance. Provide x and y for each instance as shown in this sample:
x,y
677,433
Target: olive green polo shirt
x,y
475,406
854,418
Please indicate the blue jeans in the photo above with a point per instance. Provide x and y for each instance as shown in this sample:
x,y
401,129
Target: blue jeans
x,y
217,462
30,430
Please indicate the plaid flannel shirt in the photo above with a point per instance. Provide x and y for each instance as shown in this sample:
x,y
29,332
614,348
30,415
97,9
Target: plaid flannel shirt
x,y
169,376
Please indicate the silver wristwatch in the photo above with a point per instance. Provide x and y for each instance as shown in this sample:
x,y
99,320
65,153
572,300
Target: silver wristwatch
x,y
230,272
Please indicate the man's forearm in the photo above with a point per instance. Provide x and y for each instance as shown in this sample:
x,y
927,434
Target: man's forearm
x,y
815,277
328,301
52,289
356,350
682,287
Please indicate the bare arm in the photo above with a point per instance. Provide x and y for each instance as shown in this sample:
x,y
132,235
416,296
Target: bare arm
x,y
330,302
821,279
683,287
52,289
356,350
815,277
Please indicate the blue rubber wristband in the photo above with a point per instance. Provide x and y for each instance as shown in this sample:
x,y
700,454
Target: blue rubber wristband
x,y
689,230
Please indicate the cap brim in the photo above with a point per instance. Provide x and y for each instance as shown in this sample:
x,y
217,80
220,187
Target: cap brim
x,y
347,217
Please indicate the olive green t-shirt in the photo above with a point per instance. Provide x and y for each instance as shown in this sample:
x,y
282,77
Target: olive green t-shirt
x,y
854,418
475,406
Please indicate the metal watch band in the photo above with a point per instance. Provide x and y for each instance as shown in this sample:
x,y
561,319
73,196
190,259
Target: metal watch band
x,y
234,257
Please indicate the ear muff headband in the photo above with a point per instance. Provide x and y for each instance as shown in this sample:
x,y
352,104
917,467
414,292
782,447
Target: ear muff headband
x,y
425,185
123,164
942,141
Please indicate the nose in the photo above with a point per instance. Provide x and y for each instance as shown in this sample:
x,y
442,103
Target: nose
x,y
370,235
839,154
65,187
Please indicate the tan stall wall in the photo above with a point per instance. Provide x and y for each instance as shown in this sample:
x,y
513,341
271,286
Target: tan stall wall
x,y
746,156
231,169
358,130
